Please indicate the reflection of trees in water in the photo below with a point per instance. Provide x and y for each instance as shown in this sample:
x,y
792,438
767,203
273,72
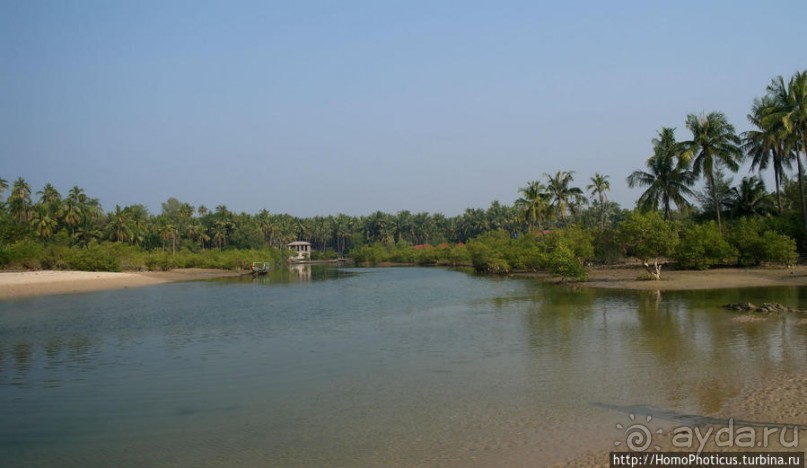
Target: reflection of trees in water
x,y
55,351
557,309
681,345
662,331
294,273
22,353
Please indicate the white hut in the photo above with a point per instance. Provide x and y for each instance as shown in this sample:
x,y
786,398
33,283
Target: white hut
x,y
302,249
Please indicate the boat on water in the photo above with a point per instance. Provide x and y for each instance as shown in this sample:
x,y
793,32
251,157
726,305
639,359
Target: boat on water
x,y
259,268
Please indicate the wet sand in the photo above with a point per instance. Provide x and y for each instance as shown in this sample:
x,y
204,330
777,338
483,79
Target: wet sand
x,y
40,283
671,280
778,404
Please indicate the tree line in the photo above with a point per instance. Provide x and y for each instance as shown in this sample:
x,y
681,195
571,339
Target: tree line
x,y
713,151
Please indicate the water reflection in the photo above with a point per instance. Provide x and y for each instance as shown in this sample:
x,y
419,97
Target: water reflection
x,y
294,273
22,353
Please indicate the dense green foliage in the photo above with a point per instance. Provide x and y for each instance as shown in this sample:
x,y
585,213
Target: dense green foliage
x,y
563,252
702,246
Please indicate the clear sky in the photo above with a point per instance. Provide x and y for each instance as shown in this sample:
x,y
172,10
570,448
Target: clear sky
x,y
321,107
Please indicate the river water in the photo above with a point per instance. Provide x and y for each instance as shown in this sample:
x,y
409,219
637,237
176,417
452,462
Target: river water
x,y
368,367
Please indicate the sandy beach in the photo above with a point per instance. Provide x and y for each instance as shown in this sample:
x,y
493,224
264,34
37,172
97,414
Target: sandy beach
x,y
40,283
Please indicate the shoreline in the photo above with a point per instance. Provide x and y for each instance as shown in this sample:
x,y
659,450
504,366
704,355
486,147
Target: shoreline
x,y
627,277
16,285
684,280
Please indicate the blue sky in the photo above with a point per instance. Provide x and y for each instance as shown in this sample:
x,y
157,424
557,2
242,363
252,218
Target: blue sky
x,y
324,107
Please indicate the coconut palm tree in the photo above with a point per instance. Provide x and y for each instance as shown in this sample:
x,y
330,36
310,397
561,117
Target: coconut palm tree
x,y
668,178
533,204
43,224
19,201
714,142
50,198
598,186
789,109
72,208
220,233
564,197
750,198
119,225
769,145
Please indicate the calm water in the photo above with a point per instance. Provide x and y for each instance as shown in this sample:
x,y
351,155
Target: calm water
x,y
366,367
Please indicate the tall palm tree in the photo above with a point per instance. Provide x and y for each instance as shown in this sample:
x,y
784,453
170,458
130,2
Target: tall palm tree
x,y
769,145
119,225
50,198
19,201
72,208
220,233
789,109
668,178
598,186
714,142
533,204
564,197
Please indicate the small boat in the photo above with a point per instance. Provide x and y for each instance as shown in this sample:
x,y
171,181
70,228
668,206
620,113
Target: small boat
x,y
259,268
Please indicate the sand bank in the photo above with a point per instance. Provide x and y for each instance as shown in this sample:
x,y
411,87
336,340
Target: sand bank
x,y
39,283
628,278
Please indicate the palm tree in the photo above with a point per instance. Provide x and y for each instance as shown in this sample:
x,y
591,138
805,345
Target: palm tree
x,y
50,198
598,186
220,232
564,197
668,179
534,204
789,109
19,201
750,198
119,225
714,142
72,209
42,222
769,145
342,232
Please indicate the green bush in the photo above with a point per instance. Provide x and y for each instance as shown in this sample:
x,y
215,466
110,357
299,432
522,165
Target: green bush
x,y
564,263
702,246
563,252
778,248
93,258
25,254
756,244
487,252
745,237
